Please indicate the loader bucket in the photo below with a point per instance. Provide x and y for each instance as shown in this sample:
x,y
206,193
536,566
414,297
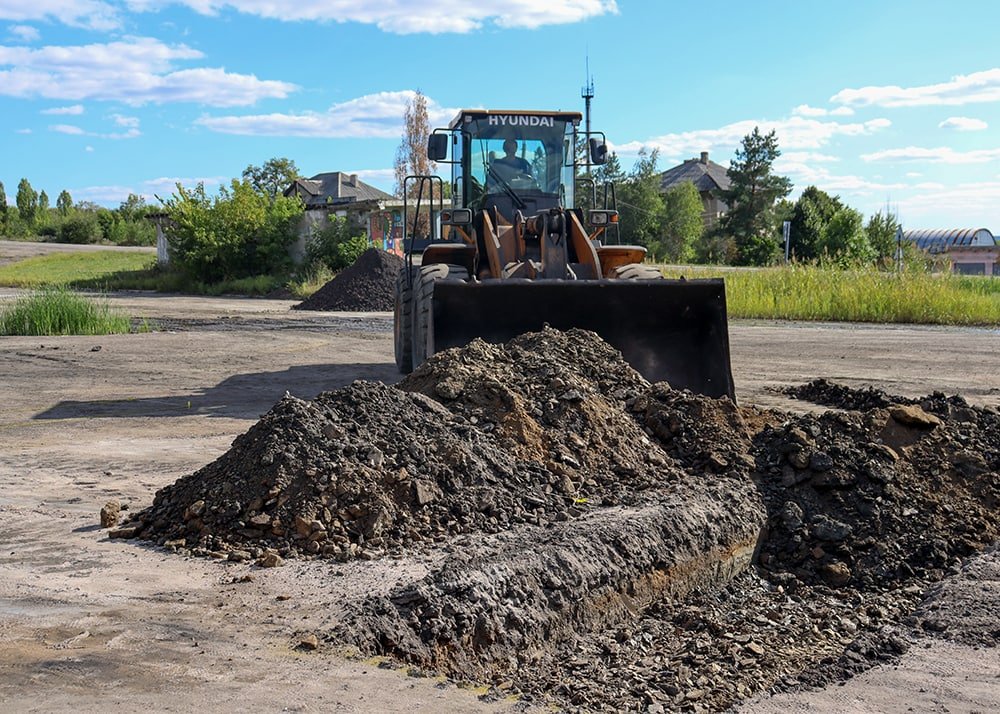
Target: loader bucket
x,y
668,330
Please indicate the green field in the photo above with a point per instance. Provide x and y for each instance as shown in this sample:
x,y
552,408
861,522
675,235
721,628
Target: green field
x,y
83,269
811,293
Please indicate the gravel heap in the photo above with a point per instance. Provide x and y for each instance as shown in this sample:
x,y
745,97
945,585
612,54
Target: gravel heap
x,y
368,285
871,499
829,394
553,473
527,432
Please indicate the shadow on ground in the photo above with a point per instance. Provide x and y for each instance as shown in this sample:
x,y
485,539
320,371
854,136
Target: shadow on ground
x,y
241,396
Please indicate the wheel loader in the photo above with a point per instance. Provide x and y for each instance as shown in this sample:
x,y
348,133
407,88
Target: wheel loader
x,y
511,254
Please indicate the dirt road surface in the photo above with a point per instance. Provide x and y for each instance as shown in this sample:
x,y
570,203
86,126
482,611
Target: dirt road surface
x,y
13,250
92,623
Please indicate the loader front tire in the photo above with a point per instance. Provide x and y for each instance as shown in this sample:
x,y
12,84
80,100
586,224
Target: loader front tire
x,y
423,300
402,321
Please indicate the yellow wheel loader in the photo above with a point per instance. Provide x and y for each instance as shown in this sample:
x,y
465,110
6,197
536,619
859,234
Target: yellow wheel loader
x,y
511,254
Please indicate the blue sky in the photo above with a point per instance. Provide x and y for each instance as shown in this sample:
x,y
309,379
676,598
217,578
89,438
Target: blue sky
x,y
882,103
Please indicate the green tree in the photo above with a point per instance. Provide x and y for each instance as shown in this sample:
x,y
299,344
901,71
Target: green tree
x,y
3,210
753,191
27,202
64,203
273,177
640,203
43,201
239,233
881,230
684,225
812,213
845,238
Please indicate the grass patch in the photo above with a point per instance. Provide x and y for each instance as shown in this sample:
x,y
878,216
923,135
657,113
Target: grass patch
x,y
811,293
310,282
119,270
73,268
57,311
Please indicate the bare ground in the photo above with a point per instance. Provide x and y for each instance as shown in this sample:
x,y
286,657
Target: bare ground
x,y
87,622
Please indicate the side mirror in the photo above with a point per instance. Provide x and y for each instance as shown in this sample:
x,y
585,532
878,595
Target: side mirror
x,y
598,152
437,147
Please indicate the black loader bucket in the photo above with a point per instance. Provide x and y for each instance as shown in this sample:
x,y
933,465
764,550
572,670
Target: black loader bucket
x,y
668,330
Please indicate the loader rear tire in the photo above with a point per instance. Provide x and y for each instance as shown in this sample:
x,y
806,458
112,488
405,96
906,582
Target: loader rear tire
x,y
423,296
637,271
402,321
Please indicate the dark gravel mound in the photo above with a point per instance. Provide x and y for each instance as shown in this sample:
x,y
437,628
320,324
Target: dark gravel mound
x,y
577,505
830,394
366,286
528,432
873,499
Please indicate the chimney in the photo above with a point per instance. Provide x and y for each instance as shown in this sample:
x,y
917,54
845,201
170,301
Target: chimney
x,y
704,157
339,177
353,180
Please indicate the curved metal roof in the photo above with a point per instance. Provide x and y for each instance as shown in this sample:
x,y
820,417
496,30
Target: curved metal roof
x,y
937,240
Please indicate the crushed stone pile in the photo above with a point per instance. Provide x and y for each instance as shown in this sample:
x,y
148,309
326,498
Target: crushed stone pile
x,y
874,498
476,440
556,477
368,285
830,394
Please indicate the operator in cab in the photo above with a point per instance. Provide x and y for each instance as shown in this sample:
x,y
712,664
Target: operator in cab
x,y
510,164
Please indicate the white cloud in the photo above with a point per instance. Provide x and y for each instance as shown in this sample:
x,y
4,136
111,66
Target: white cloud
x,y
973,205
67,129
168,184
938,155
962,89
25,33
371,116
913,174
90,14
89,149
121,120
794,133
963,124
131,133
74,110
804,110
24,131
407,16
134,70
375,175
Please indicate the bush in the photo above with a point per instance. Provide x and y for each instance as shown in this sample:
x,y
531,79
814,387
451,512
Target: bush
x,y
240,233
336,246
80,227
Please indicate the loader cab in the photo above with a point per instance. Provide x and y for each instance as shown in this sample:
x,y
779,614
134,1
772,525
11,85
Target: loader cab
x,y
512,161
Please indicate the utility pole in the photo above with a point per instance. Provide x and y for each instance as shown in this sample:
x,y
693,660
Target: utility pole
x,y
587,93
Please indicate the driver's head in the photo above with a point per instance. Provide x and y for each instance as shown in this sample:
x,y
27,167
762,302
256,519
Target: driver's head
x,y
510,146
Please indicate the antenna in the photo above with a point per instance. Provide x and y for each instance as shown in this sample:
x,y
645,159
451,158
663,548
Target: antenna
x,y
587,93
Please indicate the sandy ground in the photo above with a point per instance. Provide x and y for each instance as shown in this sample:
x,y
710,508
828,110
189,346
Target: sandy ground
x,y
89,623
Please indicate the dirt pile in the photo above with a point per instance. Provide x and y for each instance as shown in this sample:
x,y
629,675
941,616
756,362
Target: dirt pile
x,y
368,285
528,432
829,394
592,521
871,499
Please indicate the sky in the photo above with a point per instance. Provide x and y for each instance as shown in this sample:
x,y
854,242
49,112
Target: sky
x,y
884,103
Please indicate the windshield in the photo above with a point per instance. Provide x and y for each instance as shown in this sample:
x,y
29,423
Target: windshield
x,y
526,160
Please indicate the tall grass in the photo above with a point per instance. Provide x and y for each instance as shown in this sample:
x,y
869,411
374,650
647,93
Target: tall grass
x,y
57,311
812,293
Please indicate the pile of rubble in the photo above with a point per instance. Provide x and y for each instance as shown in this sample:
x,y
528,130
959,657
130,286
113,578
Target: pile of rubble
x,y
368,285
599,528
